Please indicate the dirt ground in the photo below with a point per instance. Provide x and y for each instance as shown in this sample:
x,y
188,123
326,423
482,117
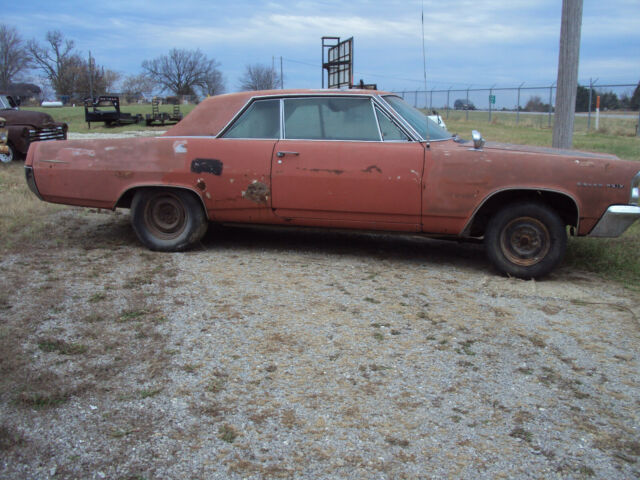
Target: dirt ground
x,y
270,353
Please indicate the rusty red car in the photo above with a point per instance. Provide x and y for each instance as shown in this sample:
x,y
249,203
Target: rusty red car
x,y
353,159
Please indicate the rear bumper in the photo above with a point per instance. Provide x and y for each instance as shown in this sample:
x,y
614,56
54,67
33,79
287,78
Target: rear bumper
x,y
615,221
31,181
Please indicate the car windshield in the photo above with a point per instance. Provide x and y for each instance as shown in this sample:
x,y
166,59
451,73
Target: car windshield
x,y
418,120
4,103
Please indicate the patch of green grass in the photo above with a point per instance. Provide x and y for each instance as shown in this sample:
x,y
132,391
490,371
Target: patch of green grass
x,y
97,297
522,434
61,347
465,347
131,315
227,433
149,392
378,336
39,400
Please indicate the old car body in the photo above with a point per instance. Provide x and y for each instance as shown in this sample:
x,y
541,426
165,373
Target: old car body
x,y
342,159
25,127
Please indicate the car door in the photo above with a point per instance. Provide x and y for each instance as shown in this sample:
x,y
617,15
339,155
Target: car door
x,y
339,166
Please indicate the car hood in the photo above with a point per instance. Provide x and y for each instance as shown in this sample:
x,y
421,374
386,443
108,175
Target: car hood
x,y
26,117
547,151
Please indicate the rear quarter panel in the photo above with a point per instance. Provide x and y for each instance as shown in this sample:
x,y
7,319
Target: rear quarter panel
x,y
96,173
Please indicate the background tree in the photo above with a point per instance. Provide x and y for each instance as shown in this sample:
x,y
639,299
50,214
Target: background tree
x,y
68,73
214,84
134,87
535,104
259,77
181,71
98,79
582,99
58,61
14,56
634,103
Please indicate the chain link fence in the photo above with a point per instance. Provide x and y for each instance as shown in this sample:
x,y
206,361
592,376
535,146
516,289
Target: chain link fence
x,y
530,105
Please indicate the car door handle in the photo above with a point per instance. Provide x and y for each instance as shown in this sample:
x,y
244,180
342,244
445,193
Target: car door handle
x,y
282,154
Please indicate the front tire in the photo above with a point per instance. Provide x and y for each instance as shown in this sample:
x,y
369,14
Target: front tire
x,y
526,240
167,220
8,157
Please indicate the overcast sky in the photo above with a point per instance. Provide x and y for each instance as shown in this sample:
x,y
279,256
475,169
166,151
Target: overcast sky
x,y
478,43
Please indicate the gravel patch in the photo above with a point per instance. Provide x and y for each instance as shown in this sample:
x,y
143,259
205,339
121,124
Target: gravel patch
x,y
293,354
271,353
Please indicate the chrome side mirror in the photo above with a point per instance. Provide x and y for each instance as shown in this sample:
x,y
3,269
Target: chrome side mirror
x,y
478,141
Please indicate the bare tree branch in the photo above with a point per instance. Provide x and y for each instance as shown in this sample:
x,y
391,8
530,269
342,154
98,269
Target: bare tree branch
x,y
182,71
259,77
14,57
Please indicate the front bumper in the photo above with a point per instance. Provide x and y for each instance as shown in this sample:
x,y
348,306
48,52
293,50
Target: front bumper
x,y
4,149
615,221
31,181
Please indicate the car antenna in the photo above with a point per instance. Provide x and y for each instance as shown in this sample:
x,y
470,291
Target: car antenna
x,y
424,71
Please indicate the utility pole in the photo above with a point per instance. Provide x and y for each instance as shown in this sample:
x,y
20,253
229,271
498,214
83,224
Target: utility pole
x,y
567,84
90,76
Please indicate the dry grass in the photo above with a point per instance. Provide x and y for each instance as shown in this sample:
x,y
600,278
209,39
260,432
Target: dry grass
x,y
23,217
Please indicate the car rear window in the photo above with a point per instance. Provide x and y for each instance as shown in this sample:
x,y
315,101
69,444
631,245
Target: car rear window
x,y
260,120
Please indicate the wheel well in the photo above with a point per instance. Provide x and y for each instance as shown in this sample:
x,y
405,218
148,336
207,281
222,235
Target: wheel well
x,y
127,197
562,204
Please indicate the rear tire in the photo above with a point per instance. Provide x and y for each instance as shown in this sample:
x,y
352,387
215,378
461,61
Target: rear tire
x,y
526,240
167,220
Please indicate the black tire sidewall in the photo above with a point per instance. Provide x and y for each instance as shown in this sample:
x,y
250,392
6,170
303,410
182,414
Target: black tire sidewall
x,y
195,220
557,233
12,153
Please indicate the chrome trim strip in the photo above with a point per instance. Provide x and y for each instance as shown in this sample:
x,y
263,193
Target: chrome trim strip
x,y
615,221
31,181
634,197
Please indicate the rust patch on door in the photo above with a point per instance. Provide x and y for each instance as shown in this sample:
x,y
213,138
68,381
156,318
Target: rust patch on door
x,y
207,165
257,192
371,168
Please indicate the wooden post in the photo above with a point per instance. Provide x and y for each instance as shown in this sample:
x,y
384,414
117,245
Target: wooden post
x,y
567,73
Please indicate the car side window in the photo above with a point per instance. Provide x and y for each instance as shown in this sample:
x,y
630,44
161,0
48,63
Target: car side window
x,y
260,120
389,130
330,118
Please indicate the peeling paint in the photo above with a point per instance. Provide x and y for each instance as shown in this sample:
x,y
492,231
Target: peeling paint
x,y
208,195
257,192
180,146
207,165
123,174
201,185
76,152
371,168
108,149
337,172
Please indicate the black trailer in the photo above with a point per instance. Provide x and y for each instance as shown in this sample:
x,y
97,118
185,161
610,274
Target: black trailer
x,y
106,108
163,118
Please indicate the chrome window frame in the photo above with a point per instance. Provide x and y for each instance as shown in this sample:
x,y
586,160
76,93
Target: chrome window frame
x,y
374,99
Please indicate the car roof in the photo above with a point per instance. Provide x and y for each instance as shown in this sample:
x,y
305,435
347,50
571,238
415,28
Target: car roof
x,y
214,113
